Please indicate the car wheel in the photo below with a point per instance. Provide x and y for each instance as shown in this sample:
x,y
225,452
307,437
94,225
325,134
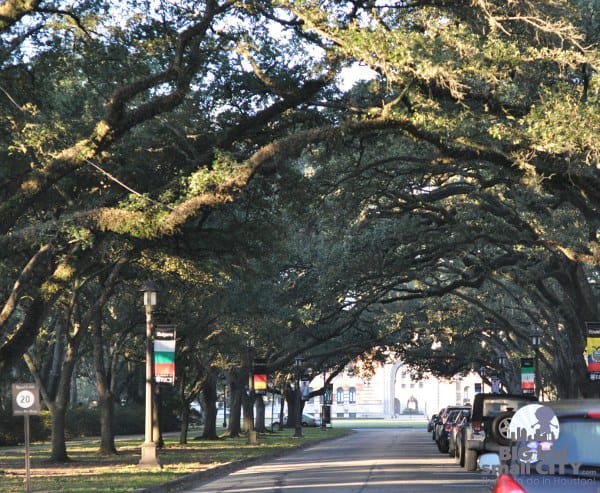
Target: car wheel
x,y
501,428
460,453
442,446
470,460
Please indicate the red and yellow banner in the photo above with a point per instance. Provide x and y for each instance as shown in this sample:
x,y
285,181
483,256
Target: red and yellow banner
x,y
593,354
592,350
260,382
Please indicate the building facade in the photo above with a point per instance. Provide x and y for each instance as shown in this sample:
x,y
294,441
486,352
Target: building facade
x,y
391,392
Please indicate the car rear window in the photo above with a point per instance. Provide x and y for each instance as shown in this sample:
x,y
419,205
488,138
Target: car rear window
x,y
492,408
579,439
577,444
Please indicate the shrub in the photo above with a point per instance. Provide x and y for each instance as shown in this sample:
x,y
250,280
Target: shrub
x,y
82,422
12,428
129,420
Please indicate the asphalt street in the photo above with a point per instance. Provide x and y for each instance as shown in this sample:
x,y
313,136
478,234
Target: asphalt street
x,y
368,461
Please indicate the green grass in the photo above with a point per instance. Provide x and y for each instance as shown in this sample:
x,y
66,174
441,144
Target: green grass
x,y
88,472
404,422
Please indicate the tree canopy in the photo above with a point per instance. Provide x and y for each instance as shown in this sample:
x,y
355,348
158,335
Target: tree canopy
x,y
332,178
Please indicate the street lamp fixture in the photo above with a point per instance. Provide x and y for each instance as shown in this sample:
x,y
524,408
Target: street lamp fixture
x,y
149,456
536,337
502,359
298,373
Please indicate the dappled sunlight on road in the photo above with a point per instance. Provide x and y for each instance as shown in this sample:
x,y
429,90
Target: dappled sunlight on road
x,y
344,486
355,465
381,461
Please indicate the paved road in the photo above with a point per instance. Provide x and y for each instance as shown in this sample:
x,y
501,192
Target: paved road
x,y
368,461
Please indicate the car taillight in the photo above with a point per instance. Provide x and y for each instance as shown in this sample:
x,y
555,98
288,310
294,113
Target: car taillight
x,y
476,425
506,484
593,414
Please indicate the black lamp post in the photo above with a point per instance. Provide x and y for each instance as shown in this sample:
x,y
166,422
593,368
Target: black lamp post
x,y
224,402
482,372
298,373
324,402
536,341
149,456
502,360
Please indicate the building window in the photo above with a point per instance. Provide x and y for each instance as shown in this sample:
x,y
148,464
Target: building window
x,y
339,395
352,395
467,394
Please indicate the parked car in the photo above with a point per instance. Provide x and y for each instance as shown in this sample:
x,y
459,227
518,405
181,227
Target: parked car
x,y
455,444
435,422
307,420
487,430
563,455
443,437
431,423
459,443
439,422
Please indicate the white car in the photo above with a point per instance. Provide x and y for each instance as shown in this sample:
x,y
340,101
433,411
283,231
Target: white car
x,y
307,420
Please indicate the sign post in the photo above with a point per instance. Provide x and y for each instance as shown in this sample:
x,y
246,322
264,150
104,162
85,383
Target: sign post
x,y
26,402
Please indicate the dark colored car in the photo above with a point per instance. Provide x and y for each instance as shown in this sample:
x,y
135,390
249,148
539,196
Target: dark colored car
x,y
559,453
436,422
487,430
431,423
445,427
455,443
459,444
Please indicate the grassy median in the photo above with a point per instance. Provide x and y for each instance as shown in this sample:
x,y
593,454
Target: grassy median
x,y
88,472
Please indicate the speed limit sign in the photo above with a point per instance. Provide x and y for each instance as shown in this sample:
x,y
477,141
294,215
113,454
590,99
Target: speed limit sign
x,y
26,399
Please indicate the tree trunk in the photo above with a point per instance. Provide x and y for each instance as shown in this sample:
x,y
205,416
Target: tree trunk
x,y
248,402
185,424
290,397
156,418
235,412
105,397
281,409
209,396
58,451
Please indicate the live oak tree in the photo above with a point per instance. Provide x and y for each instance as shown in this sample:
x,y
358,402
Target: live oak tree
x,y
470,158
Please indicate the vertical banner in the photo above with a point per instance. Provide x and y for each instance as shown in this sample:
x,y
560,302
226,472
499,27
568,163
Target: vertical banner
x,y
593,349
260,378
305,388
328,397
164,354
527,376
495,384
